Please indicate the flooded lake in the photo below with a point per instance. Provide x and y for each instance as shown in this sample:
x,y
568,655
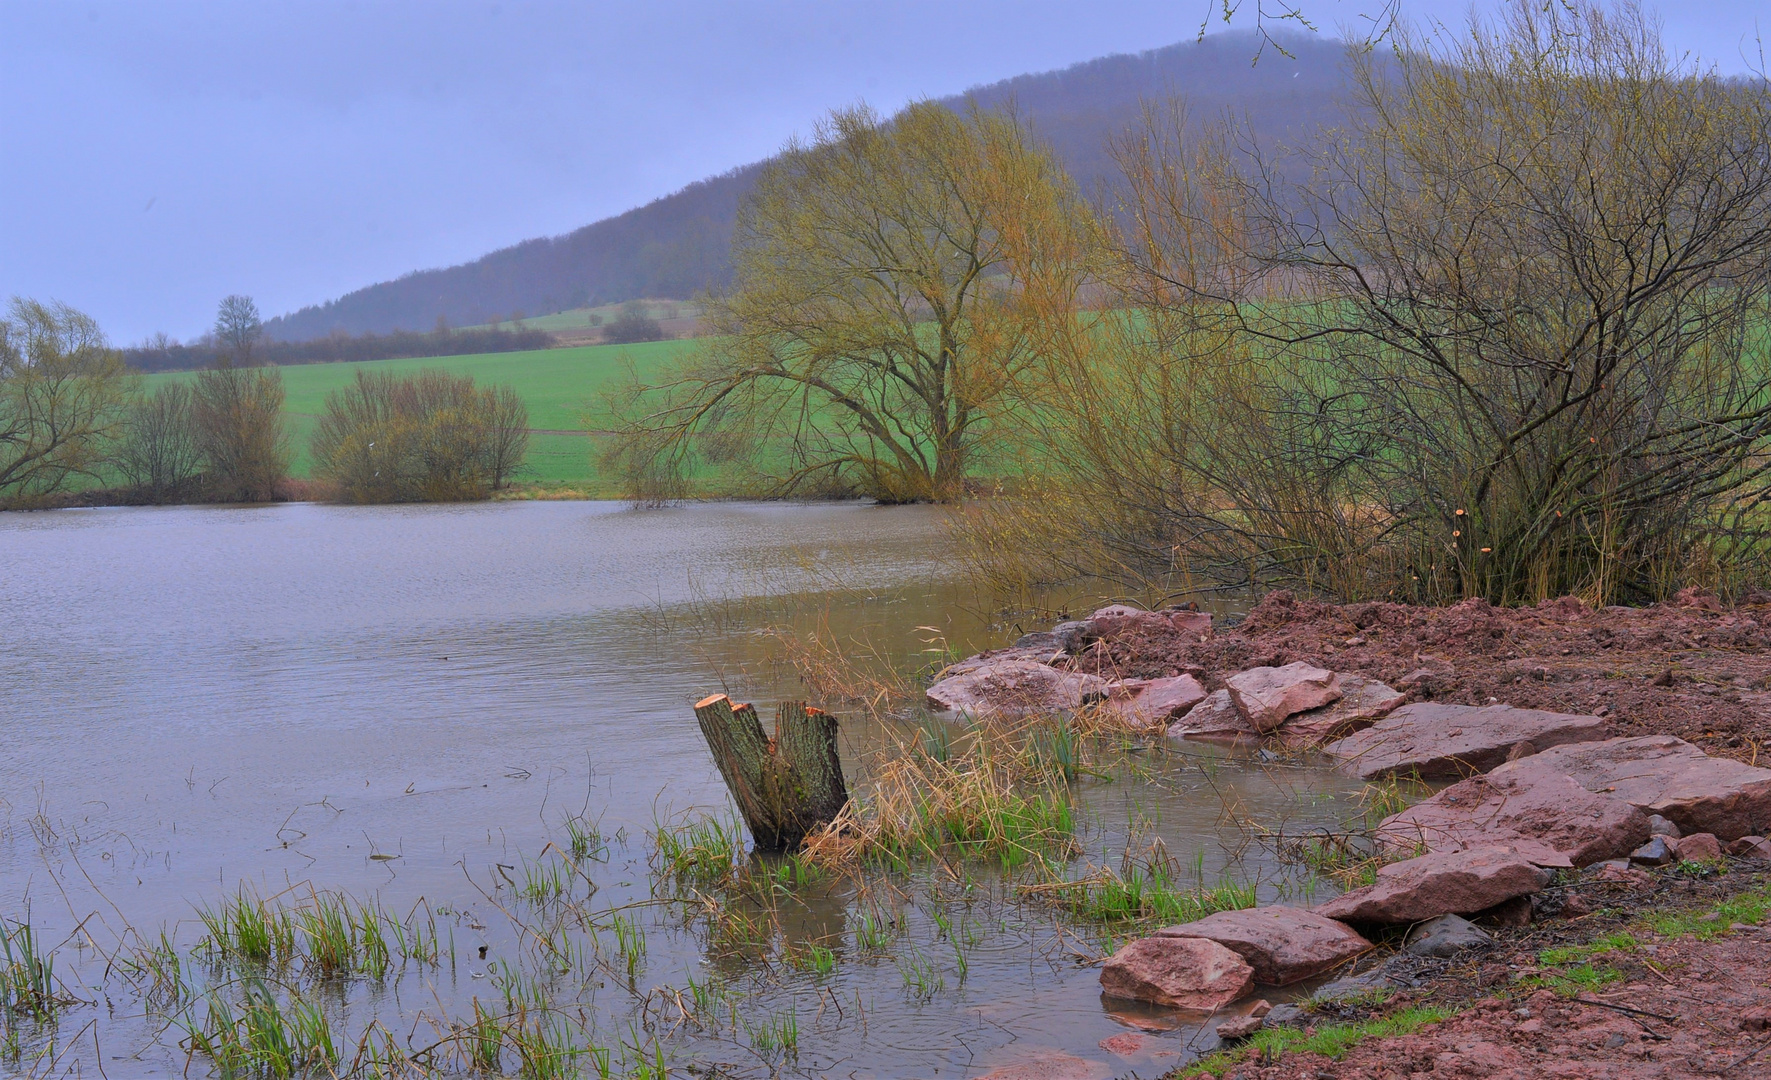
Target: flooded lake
x,y
420,708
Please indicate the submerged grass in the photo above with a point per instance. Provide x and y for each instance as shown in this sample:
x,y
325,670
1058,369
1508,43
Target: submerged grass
x,y
27,979
1144,894
703,850
993,794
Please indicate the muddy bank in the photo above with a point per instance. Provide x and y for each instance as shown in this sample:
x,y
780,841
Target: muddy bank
x,y
1693,668
1634,975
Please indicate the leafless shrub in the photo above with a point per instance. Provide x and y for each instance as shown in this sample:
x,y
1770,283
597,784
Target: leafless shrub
x,y
1507,340
237,416
429,437
158,453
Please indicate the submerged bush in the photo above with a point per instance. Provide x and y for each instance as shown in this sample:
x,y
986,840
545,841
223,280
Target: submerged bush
x,y
429,437
158,454
238,425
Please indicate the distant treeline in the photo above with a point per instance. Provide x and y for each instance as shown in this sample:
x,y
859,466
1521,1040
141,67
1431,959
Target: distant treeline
x,y
339,347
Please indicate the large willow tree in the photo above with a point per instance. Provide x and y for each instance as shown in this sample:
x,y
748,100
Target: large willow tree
x,y
62,389
888,280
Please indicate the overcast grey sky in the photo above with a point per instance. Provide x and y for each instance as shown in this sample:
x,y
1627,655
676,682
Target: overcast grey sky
x,y
156,156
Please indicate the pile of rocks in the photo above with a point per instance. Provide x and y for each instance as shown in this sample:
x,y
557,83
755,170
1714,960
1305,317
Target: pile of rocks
x,y
1534,791
1296,706
1480,847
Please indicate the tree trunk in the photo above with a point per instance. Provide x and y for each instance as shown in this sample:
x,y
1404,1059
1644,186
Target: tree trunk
x,y
786,786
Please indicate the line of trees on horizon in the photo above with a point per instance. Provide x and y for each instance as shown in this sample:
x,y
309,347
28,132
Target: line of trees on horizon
x,y
76,421
162,353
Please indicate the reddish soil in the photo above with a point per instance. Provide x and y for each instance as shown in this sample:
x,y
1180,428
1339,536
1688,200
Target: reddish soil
x,y
1692,668
1684,1008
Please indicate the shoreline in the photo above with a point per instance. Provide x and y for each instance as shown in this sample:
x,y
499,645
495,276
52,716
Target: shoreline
x,y
1671,935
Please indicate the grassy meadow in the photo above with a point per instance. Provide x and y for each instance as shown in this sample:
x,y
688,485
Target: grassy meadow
x,y
559,386
586,318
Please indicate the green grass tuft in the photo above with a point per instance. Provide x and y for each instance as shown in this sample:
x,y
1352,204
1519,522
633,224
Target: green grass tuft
x,y
1330,1040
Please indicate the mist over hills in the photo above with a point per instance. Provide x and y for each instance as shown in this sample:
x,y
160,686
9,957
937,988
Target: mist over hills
x,y
678,245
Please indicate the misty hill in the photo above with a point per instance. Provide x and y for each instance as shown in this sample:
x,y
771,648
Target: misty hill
x,y
678,246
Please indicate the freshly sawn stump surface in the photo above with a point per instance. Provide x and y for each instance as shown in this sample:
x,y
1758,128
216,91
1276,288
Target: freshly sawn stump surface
x,y
786,786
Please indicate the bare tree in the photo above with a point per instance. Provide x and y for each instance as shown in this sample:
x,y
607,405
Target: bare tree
x,y
1540,270
509,437
238,328
632,325
237,413
61,393
158,452
1506,339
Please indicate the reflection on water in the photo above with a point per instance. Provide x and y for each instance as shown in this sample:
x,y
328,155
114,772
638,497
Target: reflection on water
x,y
407,703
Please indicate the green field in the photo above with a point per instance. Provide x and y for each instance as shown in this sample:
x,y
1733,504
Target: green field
x,y
587,317
559,385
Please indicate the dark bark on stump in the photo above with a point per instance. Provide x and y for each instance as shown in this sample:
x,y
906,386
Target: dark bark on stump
x,y
785,787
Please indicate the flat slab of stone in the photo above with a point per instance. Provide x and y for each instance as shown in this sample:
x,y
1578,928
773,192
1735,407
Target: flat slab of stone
x,y
1666,776
1215,720
1549,818
1119,618
1440,883
1039,654
1178,972
1268,696
1363,703
1149,703
1013,687
1447,742
1284,945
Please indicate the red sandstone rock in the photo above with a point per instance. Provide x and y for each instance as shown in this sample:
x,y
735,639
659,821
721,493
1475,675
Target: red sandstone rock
x,y
1283,944
1120,618
1363,703
1240,1027
1039,654
1194,623
1670,777
1437,741
1267,696
1442,883
1549,818
1049,1065
1697,846
1125,1044
1179,972
1751,847
1214,720
1145,703
1013,687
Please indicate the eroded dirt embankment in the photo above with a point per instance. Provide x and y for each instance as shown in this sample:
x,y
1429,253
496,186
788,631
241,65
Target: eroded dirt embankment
x,y
1691,668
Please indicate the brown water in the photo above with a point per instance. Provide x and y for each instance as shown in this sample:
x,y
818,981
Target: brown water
x,y
406,703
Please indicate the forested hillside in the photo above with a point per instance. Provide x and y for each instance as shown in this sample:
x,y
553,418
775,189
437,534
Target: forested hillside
x,y
678,245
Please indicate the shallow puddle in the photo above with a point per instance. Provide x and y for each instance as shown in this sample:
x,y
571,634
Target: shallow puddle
x,y
476,719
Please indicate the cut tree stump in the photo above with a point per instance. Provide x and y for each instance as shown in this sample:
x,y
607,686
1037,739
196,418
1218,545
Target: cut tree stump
x,y
786,787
